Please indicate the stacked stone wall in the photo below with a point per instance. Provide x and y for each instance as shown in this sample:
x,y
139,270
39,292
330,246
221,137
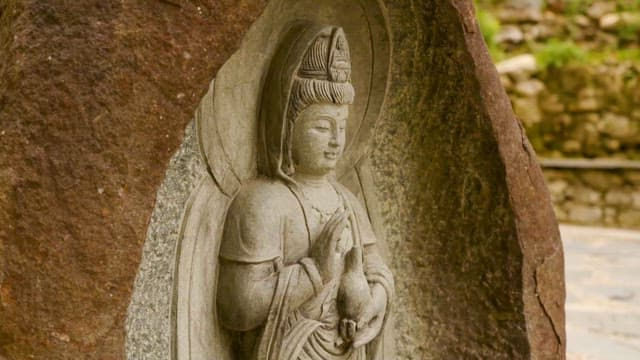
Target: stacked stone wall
x,y
608,197
573,76
580,111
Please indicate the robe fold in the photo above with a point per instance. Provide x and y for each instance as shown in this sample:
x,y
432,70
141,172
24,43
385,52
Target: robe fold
x,y
270,221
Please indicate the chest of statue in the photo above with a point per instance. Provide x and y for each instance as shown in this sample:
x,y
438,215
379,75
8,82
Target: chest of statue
x,y
304,222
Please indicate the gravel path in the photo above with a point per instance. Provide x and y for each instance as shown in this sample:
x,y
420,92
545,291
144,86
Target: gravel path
x,y
603,293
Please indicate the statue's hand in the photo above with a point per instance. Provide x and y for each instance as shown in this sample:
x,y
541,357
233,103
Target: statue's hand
x,y
371,320
326,252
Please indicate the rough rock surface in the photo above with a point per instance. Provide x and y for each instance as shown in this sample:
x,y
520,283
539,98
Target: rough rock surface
x,y
94,98
468,215
474,242
148,326
474,245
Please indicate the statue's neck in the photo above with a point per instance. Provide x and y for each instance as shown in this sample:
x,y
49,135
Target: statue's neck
x,y
319,194
311,180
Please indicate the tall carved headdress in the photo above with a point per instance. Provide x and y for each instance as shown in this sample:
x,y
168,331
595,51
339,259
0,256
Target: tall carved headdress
x,y
311,66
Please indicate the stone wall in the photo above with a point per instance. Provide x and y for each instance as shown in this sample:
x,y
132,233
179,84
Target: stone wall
x,y
579,111
584,112
608,197
572,72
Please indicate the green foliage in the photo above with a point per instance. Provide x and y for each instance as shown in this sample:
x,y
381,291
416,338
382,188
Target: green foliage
x,y
574,7
490,27
628,55
557,53
629,32
628,5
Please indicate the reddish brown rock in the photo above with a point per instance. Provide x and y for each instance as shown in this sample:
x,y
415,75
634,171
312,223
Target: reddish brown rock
x,y
468,218
94,97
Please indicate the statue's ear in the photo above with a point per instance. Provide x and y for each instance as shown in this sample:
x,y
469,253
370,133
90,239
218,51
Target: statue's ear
x,y
288,162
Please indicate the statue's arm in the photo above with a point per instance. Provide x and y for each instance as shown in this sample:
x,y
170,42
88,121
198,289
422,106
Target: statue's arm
x,y
250,251
246,291
371,322
376,270
378,273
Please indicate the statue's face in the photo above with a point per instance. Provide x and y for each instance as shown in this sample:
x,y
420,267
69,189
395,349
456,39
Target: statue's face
x,y
319,137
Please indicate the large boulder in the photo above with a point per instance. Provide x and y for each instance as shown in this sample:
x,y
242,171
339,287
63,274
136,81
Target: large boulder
x,y
95,97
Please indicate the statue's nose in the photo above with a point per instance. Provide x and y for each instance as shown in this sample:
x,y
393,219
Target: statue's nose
x,y
333,142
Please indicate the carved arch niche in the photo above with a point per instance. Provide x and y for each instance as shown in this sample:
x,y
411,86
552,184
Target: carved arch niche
x,y
226,123
450,181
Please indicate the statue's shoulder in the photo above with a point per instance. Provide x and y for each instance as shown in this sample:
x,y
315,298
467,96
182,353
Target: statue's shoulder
x,y
253,226
262,195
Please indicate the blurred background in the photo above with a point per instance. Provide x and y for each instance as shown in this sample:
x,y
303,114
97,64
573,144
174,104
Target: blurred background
x,y
571,69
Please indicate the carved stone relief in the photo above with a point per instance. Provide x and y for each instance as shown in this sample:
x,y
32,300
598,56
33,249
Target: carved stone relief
x,y
300,274
450,191
278,258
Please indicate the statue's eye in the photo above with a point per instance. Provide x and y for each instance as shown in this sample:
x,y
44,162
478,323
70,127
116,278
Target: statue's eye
x,y
322,126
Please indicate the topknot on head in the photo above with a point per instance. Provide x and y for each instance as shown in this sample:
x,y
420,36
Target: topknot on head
x,y
328,58
324,75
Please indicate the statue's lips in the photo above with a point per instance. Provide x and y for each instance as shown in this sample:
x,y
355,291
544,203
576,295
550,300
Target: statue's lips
x,y
331,155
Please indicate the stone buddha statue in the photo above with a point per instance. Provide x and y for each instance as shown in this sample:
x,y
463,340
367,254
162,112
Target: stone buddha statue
x,y
300,274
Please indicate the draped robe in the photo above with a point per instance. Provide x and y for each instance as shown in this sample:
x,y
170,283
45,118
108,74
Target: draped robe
x,y
270,221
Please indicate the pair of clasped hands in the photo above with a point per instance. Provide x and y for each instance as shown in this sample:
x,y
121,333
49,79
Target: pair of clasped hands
x,y
335,258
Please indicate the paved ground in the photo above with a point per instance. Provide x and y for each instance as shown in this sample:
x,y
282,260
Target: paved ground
x,y
603,293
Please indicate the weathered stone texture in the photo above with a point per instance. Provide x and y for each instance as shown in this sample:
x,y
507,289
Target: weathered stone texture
x,y
149,324
468,218
94,97
89,133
